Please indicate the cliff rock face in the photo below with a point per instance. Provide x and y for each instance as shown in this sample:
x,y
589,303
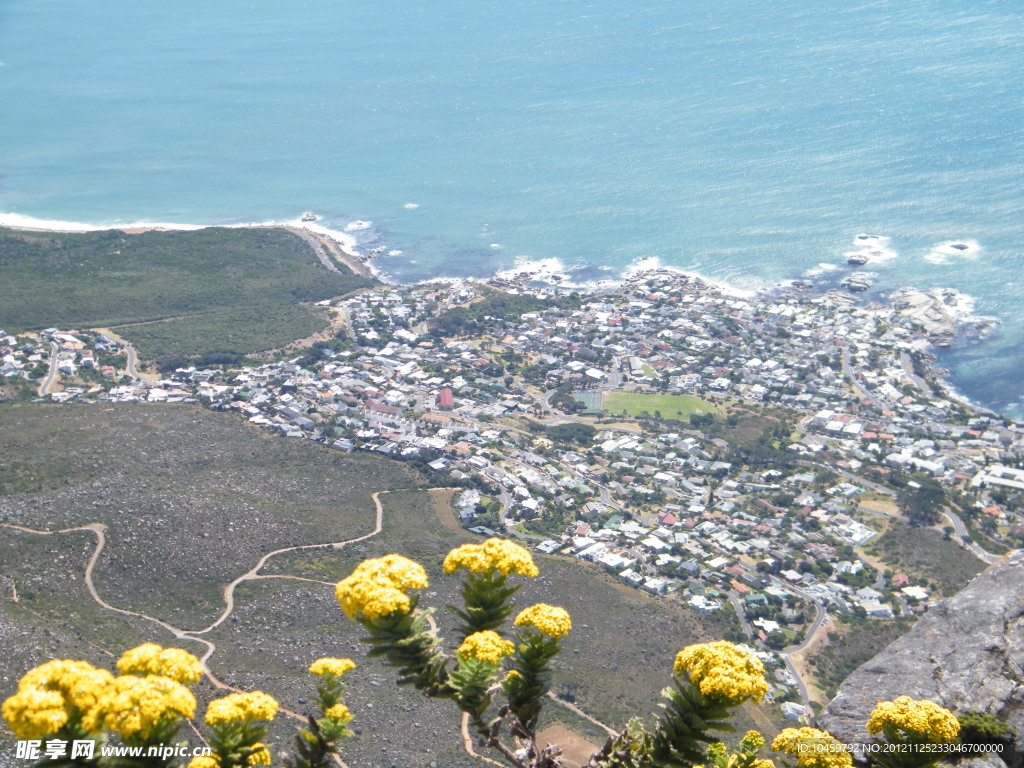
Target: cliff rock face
x,y
967,653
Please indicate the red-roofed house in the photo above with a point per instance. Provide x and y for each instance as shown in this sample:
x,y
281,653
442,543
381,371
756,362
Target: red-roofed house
x,y
445,400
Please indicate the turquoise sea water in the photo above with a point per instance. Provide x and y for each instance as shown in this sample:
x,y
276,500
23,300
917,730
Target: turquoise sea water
x,y
748,141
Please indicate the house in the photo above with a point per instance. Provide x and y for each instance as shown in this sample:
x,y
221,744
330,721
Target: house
x,y
793,711
445,400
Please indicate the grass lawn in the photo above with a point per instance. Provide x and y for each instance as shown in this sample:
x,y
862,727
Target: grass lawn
x,y
677,407
211,290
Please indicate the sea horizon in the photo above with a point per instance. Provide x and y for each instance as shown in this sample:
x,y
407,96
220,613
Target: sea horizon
x,y
747,144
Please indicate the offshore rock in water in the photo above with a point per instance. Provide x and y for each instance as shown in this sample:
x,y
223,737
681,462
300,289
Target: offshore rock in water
x,y
857,283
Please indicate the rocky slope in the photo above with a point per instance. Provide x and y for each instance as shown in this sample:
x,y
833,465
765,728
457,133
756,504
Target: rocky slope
x,y
967,653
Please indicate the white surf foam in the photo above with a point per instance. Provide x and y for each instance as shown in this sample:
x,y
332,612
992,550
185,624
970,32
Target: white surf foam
x,y
653,264
874,248
945,252
822,268
411,206
20,221
538,269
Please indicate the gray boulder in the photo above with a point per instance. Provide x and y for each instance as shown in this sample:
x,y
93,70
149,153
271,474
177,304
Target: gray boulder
x,y
967,653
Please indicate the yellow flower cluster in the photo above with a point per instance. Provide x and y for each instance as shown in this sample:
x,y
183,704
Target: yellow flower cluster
x,y
485,646
336,667
752,740
150,659
338,712
204,761
34,713
241,706
49,695
548,619
716,751
499,555
813,748
260,754
134,706
377,587
921,719
723,669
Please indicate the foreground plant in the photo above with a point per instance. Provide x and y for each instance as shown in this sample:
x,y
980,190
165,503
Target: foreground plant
x,y
499,676
68,711
502,684
907,731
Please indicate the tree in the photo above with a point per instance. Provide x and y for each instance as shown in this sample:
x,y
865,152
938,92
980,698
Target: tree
x,y
922,501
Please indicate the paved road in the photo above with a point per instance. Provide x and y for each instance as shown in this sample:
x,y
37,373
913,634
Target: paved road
x,y
908,368
738,607
960,530
51,375
800,686
317,248
132,367
848,372
506,502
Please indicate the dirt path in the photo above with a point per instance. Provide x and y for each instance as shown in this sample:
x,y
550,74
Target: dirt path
x,y
439,495
573,708
98,530
467,742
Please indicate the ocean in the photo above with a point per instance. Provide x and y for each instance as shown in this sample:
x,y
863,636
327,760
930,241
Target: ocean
x,y
750,142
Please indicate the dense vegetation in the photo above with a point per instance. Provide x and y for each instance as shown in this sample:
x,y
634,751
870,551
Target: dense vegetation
x,y
926,554
851,643
233,291
475,318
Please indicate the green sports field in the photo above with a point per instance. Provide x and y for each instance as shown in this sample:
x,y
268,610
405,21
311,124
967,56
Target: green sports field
x,y
669,406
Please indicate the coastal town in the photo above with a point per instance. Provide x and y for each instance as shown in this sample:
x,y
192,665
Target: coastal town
x,y
729,453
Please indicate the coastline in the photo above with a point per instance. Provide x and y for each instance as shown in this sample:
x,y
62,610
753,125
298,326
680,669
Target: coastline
x,y
543,276
341,246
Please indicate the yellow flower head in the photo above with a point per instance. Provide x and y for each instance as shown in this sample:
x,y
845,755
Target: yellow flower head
x,y
135,706
35,713
338,712
150,659
336,667
255,705
485,646
204,761
377,587
260,754
752,740
723,669
917,720
716,751
53,693
762,762
499,555
813,748
548,619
